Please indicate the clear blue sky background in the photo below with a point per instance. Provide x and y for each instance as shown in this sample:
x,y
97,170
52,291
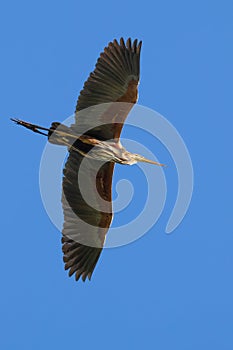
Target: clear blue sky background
x,y
163,291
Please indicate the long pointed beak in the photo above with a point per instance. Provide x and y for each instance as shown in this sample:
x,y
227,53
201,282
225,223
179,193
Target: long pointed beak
x,y
145,160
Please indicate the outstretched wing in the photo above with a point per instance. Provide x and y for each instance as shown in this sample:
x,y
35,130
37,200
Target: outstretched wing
x,y
87,207
115,79
87,184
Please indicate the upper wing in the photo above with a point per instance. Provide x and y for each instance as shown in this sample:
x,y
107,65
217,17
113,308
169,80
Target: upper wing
x,y
115,79
87,207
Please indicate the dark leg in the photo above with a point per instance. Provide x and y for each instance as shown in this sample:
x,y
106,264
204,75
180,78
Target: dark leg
x,y
33,127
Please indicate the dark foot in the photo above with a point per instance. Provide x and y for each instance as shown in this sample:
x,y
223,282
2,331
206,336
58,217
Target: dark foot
x,y
33,127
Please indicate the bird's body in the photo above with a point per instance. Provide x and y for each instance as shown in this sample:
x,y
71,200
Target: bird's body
x,y
108,151
95,138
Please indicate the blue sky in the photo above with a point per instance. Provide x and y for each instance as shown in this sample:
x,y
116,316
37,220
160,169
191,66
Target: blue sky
x,y
163,291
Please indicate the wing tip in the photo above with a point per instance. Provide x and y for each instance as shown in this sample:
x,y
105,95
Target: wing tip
x,y
134,46
116,66
81,261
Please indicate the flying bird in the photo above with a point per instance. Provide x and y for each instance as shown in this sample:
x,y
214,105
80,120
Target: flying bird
x,y
94,147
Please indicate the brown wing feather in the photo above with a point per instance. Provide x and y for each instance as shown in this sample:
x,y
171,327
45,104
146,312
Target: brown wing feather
x,y
85,226
115,79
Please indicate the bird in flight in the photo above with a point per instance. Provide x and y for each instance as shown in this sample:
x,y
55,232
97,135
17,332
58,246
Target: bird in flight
x,y
94,147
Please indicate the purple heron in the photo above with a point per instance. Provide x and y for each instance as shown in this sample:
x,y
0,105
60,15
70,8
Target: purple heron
x,y
114,79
